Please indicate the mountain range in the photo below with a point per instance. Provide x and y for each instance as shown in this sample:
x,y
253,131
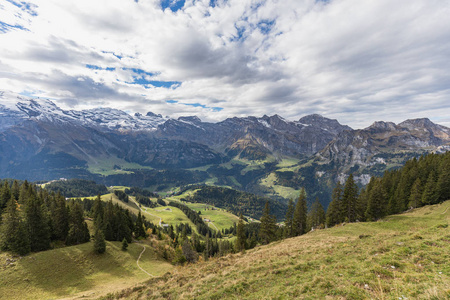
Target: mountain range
x,y
267,155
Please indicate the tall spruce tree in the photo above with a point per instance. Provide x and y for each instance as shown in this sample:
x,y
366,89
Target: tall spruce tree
x,y
139,231
316,216
334,215
37,224
99,242
268,225
288,219
416,194
430,193
376,206
5,195
443,183
300,215
13,233
240,235
349,199
78,231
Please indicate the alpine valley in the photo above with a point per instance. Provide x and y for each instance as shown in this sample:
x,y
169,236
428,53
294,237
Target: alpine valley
x,y
268,155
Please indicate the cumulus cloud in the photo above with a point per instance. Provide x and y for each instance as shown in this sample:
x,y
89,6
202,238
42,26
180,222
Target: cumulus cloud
x,y
357,61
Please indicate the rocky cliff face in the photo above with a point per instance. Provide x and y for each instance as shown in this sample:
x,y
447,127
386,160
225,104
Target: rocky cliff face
x,y
37,132
384,144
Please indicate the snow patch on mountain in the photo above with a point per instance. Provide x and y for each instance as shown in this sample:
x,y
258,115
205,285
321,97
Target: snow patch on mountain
x,y
14,109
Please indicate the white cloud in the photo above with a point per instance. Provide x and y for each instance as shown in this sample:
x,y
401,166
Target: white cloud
x,y
357,61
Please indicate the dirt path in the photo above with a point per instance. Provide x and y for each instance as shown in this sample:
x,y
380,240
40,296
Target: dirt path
x,y
137,262
145,211
214,226
444,211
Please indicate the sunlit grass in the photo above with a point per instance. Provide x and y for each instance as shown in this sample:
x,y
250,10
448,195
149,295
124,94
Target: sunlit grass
x,y
404,256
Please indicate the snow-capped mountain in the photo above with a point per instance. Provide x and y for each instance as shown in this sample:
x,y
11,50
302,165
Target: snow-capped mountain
x,y
15,109
39,140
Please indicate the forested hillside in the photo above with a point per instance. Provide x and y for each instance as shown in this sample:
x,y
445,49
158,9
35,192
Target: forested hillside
x,y
237,202
420,182
76,188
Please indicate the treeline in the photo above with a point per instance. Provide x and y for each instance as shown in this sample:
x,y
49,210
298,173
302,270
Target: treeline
x,y
419,182
122,196
202,227
235,201
133,191
32,219
76,188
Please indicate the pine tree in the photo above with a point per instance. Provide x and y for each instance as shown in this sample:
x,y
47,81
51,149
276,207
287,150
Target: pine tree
x,y
443,183
288,220
5,195
300,214
268,225
240,235
37,224
99,242
416,194
316,216
78,231
14,235
376,206
15,190
98,212
124,244
60,218
349,198
139,231
430,195
334,209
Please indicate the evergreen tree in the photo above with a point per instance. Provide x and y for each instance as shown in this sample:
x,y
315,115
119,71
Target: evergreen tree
x,y
15,190
288,219
99,242
139,231
443,183
334,209
268,225
60,218
78,231
300,214
416,194
124,244
240,236
430,194
5,195
376,206
14,235
37,224
349,199
98,212
316,216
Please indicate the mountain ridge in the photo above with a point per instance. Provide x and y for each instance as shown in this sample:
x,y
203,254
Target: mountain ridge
x,y
40,141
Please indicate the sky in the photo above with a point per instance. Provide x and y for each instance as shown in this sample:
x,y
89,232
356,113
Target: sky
x,y
351,60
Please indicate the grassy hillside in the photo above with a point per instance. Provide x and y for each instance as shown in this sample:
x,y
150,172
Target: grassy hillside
x,y
76,271
404,256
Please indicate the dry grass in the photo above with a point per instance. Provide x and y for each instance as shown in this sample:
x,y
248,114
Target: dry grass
x,y
402,257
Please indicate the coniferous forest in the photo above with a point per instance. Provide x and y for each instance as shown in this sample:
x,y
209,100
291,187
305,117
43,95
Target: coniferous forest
x,y
419,182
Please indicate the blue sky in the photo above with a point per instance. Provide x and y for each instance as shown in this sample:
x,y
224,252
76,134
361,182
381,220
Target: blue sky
x,y
356,61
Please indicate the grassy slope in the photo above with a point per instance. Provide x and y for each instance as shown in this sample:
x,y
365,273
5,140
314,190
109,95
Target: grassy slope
x,y
220,218
403,256
77,271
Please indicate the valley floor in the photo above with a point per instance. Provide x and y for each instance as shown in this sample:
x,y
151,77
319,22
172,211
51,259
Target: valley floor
x,y
404,256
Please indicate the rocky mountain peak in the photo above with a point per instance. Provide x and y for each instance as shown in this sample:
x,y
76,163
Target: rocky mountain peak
x,y
412,124
381,125
190,119
316,120
150,114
